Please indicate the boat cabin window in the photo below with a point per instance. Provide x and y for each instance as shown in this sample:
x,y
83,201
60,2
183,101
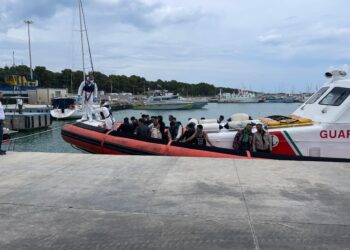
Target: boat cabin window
x,y
317,95
336,97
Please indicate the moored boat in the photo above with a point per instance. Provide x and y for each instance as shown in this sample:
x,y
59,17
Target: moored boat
x,y
64,108
163,100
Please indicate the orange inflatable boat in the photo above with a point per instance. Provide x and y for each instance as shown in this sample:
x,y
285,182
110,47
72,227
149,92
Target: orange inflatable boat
x,y
102,141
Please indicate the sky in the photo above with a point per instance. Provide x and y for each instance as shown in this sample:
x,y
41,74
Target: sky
x,y
262,45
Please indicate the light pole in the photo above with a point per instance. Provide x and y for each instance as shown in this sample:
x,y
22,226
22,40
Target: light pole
x,y
28,22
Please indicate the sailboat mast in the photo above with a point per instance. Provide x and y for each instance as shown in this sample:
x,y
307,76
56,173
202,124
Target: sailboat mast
x,y
82,38
86,34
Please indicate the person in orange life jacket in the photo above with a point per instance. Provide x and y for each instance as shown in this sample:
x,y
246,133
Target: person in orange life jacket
x,y
87,94
2,119
262,141
243,138
105,114
200,137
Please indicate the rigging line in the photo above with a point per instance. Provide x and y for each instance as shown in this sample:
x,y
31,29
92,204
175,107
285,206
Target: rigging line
x,y
86,34
42,132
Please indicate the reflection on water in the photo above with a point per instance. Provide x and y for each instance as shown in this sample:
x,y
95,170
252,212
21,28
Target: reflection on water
x,y
50,140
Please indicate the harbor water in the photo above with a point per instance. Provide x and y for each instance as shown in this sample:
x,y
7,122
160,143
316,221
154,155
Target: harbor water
x,y
49,140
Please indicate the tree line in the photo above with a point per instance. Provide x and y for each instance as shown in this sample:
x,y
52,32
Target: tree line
x,y
116,83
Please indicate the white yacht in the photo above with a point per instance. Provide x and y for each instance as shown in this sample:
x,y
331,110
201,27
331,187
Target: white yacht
x,y
163,100
243,96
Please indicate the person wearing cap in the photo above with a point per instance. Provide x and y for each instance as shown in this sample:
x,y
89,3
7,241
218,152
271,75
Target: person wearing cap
x,y
262,141
87,94
105,114
2,119
243,139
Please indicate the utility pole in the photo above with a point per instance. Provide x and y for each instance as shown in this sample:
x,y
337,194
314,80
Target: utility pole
x,y
13,59
28,22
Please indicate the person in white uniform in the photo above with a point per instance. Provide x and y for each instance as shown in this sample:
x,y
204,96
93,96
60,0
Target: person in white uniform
x,y
105,114
87,93
2,118
20,105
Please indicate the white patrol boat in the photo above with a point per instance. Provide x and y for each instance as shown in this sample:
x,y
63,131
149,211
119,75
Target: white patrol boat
x,y
319,128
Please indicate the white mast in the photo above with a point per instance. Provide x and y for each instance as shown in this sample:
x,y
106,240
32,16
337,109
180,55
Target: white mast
x,y
82,38
86,34
28,22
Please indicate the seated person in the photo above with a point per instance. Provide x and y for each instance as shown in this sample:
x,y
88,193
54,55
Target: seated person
x,y
155,131
174,131
200,137
126,127
221,119
104,113
190,130
134,123
142,129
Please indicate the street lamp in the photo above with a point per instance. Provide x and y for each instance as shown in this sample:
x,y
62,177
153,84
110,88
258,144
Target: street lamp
x,y
28,22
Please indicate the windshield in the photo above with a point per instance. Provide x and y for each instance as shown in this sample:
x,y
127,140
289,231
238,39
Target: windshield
x,y
336,97
317,95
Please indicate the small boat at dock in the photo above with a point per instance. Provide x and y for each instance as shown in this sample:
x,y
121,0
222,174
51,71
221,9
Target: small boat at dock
x,y
64,108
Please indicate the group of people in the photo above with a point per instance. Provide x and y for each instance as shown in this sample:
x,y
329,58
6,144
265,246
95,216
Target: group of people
x,y
154,127
260,141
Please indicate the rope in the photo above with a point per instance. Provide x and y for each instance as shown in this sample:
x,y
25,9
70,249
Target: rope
x,y
34,134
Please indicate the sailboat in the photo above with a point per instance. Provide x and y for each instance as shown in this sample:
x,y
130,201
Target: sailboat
x,y
68,107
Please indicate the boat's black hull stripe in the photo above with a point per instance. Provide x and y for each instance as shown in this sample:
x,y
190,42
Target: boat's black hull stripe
x,y
126,150
81,138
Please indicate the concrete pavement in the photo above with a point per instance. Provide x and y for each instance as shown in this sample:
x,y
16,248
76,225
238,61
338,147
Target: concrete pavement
x,y
82,201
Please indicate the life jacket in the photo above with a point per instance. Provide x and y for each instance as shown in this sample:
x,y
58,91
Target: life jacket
x,y
89,86
103,116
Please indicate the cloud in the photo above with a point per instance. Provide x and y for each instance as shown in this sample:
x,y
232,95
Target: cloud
x,y
221,42
13,12
270,38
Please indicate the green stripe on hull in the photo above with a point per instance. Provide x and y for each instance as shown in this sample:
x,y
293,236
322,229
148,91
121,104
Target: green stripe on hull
x,y
295,147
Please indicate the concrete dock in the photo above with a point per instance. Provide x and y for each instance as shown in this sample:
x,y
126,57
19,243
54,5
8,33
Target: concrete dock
x,y
82,201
